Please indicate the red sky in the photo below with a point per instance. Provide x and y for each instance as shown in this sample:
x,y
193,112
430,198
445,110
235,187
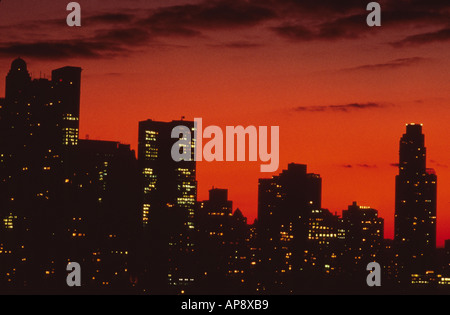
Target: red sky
x,y
340,91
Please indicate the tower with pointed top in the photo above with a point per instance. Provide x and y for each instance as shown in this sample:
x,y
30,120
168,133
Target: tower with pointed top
x,y
415,203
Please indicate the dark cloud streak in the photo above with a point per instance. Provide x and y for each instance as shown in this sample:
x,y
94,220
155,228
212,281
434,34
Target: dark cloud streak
x,y
390,65
442,35
121,32
346,108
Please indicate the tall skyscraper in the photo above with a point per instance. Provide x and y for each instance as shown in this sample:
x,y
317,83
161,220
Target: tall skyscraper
x,y
415,204
103,201
39,119
67,91
169,195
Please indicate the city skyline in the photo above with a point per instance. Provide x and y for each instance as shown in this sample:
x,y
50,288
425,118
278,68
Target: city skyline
x,y
74,138
340,91
136,224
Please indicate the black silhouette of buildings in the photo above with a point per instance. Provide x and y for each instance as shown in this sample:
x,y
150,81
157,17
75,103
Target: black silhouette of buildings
x,y
169,195
38,129
364,238
104,198
415,205
285,203
323,254
135,226
61,199
223,245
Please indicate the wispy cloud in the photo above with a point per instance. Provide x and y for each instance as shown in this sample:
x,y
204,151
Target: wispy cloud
x,y
442,35
346,108
437,164
390,65
120,32
361,165
243,44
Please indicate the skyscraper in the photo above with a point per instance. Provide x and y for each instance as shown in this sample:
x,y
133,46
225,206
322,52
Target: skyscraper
x,y
39,119
325,240
104,205
364,234
222,245
67,89
285,203
415,204
169,195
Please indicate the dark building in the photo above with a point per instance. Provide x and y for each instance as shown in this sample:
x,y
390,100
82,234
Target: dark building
x,y
223,245
104,203
415,205
38,129
445,258
323,254
61,199
364,238
285,202
169,196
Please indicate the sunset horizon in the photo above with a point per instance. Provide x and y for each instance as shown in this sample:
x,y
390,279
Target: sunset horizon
x,y
341,92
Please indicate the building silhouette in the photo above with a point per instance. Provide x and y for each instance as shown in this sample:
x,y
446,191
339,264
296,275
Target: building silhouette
x,y
135,226
168,201
285,202
104,199
415,205
364,234
62,199
223,246
323,255
38,130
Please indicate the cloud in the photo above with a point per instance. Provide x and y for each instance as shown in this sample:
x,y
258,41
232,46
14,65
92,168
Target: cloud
x,y
437,164
57,49
305,20
349,27
390,65
119,32
109,17
339,108
238,44
295,32
207,15
309,8
367,165
359,165
125,36
113,34
103,44
442,35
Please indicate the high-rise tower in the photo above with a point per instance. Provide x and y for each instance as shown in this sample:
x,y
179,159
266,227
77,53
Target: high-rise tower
x,y
169,195
285,204
415,203
38,120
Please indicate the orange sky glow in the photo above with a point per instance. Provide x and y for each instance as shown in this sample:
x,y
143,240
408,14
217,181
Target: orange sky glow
x,y
301,71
